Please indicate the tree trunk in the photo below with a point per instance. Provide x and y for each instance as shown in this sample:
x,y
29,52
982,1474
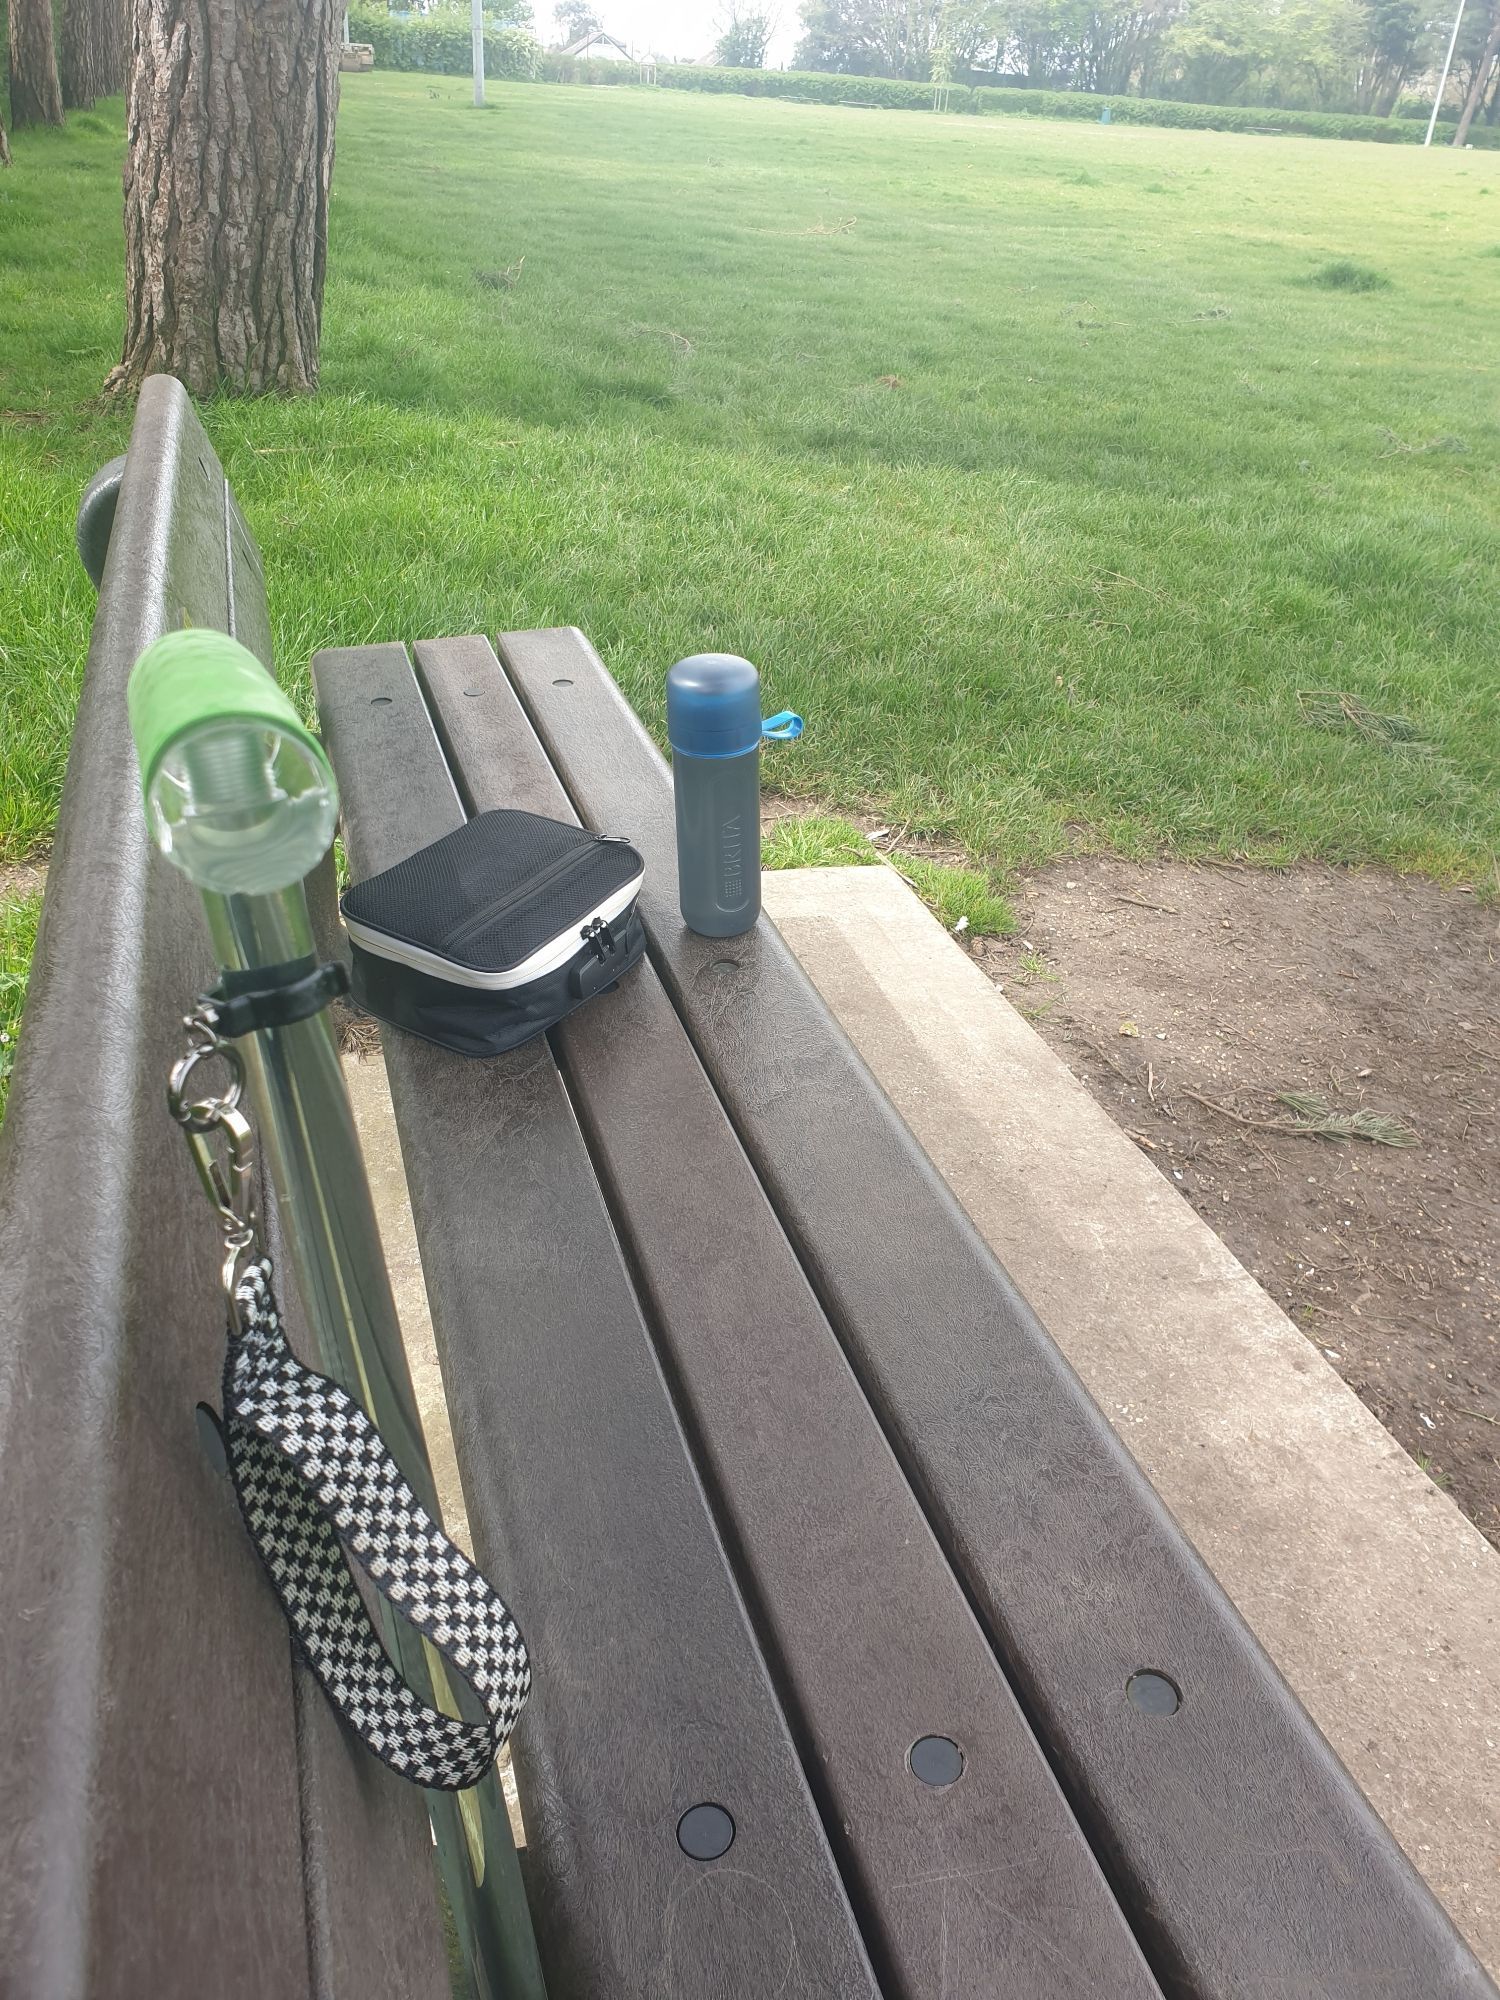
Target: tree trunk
x,y
1481,78
4,146
91,52
228,165
35,96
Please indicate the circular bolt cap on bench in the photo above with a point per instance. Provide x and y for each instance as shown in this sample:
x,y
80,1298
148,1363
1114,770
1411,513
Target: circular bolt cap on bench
x,y
936,1760
1153,1694
705,1832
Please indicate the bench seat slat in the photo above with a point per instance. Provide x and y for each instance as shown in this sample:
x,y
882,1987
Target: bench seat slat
x,y
651,1695
987,1889
1245,1855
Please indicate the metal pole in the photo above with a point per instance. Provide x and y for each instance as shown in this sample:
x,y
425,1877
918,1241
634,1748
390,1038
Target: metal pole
x,y
476,18
327,1225
1447,65
242,798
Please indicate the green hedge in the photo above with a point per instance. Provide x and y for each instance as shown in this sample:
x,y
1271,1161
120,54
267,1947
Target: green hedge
x,y
890,93
804,86
441,43
815,87
1210,117
554,68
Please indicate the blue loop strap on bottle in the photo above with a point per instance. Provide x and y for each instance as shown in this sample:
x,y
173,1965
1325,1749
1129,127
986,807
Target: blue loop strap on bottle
x,y
782,728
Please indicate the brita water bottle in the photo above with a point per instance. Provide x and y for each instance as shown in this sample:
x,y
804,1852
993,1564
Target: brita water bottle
x,y
714,725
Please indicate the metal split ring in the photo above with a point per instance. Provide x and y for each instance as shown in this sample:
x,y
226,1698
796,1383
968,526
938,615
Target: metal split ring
x,y
207,1113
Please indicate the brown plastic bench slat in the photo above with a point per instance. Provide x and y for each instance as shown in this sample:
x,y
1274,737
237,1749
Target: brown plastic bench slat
x,y
162,1830
1243,1853
651,1695
369,1863
987,1887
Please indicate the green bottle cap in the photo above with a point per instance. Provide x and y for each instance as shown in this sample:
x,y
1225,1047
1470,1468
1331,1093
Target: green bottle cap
x,y
198,676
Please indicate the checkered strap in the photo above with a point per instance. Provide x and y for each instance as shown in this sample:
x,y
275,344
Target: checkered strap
x,y
316,1485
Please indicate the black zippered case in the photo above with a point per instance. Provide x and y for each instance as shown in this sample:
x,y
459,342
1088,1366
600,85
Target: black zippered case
x,y
494,932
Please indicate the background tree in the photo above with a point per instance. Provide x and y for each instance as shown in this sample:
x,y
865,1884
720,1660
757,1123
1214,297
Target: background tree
x,y
970,32
1397,45
575,19
838,35
229,157
1044,40
91,51
35,94
1468,61
744,39
897,37
1335,54
1479,83
1118,44
1313,52
1222,45
906,33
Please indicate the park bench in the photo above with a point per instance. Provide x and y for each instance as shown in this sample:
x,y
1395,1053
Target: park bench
x,y
867,1662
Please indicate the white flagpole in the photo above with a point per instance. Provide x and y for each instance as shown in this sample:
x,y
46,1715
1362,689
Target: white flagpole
x,y
1437,102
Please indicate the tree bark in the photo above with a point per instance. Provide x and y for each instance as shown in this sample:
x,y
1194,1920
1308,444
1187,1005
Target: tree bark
x,y
4,146
35,95
228,166
1481,78
91,52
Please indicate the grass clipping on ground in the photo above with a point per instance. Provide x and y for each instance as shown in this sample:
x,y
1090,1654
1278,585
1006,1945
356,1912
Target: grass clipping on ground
x,y
1316,1116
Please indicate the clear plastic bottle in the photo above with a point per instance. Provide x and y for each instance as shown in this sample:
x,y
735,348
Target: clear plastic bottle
x,y
239,793
241,810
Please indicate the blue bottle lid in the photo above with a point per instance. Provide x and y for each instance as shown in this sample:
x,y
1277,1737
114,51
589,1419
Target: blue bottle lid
x,y
713,706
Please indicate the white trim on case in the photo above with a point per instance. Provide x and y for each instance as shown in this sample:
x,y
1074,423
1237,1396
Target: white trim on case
x,y
547,958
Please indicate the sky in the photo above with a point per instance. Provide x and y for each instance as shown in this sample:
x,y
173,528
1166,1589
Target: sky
x,y
683,29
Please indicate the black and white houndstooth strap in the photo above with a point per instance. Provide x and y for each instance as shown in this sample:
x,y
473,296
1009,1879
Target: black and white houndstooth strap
x,y
314,1480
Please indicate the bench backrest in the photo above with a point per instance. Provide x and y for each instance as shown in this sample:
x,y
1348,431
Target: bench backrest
x,y
182,1815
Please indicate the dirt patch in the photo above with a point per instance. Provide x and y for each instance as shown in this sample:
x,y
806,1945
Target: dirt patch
x,y
1361,990
20,879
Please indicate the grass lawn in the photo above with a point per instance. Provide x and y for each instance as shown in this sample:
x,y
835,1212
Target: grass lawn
x,y
1027,459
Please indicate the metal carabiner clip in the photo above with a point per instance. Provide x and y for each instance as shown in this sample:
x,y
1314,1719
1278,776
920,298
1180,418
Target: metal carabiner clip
x,y
228,1181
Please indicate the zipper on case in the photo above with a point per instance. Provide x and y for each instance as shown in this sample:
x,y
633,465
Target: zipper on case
x,y
542,879
597,934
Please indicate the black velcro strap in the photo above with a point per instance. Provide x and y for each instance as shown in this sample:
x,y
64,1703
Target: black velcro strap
x,y
273,996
